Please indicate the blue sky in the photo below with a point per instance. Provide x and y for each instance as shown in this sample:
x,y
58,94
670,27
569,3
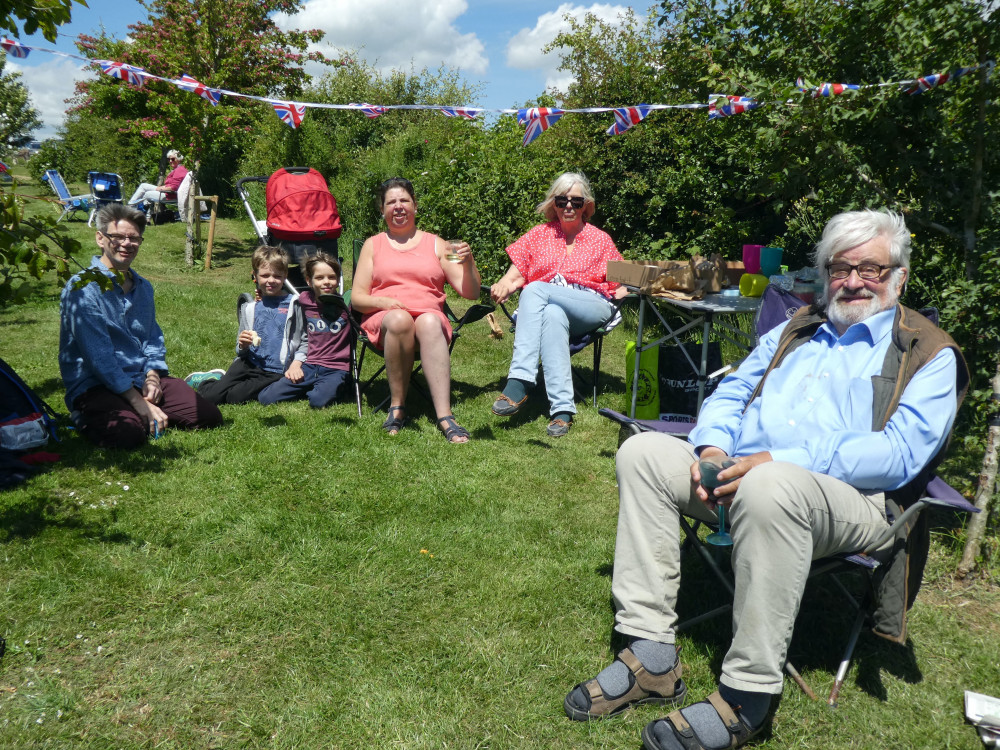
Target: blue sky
x,y
495,43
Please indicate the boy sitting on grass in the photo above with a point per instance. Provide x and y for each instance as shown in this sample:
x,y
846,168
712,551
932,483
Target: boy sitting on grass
x,y
328,357
272,338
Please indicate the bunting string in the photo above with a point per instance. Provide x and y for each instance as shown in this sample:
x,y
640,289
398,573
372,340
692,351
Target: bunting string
x,y
535,120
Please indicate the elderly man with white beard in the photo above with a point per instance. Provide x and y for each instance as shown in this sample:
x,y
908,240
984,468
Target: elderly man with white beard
x,y
845,408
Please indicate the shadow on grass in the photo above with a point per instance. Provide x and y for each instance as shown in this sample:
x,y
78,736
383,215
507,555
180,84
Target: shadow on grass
x,y
820,636
227,253
31,518
274,420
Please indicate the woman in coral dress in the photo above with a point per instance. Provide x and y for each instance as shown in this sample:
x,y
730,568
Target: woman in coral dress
x,y
399,289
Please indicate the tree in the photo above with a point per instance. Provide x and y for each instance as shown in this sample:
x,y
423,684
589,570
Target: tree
x,y
678,183
224,44
24,252
17,117
925,155
45,16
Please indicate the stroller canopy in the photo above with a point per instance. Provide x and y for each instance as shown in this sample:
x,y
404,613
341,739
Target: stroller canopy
x,y
300,206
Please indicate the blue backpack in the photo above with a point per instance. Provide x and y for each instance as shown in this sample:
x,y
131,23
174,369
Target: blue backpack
x,y
26,421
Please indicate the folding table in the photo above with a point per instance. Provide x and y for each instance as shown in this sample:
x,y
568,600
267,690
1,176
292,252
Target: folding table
x,y
704,313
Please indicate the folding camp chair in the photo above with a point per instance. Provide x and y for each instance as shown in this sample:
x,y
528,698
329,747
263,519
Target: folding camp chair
x,y
167,210
476,312
105,189
594,338
870,565
70,203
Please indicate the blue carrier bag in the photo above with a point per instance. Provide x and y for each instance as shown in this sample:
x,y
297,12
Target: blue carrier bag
x,y
26,421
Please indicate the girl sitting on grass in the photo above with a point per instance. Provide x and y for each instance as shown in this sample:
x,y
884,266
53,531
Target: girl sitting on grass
x,y
328,355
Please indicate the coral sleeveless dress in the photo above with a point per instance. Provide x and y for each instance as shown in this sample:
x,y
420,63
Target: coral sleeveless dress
x,y
414,277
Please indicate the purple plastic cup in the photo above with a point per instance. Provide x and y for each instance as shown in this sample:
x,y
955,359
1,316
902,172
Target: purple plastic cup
x,y
751,258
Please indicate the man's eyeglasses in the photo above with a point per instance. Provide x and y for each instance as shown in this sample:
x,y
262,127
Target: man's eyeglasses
x,y
121,239
562,201
867,271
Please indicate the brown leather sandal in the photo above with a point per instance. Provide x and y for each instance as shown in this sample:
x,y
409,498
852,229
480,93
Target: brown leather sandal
x,y
647,687
739,731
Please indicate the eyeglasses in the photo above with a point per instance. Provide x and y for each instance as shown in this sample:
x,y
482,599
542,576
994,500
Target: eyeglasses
x,y
562,201
867,271
121,239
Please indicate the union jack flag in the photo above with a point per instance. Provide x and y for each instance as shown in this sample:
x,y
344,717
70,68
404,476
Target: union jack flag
x,y
537,120
626,117
212,96
833,89
926,83
371,111
290,113
469,113
727,106
123,72
14,48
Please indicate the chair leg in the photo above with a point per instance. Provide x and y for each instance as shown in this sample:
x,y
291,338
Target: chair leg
x,y
598,345
356,377
845,663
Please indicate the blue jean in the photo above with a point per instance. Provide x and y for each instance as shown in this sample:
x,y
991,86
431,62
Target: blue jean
x,y
321,385
547,317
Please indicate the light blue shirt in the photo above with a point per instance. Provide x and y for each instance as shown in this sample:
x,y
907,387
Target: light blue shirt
x,y
815,410
108,338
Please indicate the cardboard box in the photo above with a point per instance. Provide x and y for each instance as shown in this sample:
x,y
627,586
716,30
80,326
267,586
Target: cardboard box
x,y
640,273
734,270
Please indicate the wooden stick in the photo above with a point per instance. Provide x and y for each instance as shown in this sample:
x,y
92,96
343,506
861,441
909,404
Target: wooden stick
x,y
214,200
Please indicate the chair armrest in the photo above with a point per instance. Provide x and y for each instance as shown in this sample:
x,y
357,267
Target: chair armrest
x,y
478,311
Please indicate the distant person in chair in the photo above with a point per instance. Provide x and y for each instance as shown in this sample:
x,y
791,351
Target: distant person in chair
x,y
399,289
561,268
168,190
111,351
853,420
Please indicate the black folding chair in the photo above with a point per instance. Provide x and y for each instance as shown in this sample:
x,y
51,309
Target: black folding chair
x,y
595,339
776,307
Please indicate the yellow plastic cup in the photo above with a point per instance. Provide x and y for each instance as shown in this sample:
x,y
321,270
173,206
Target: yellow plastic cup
x,y
752,284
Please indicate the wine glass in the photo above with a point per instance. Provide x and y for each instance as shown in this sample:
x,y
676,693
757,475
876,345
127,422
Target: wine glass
x,y
709,469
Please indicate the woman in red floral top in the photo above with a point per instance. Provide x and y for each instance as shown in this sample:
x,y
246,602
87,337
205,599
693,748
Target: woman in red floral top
x,y
561,269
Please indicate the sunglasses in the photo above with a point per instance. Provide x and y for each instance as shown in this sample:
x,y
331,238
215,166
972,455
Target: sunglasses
x,y
562,201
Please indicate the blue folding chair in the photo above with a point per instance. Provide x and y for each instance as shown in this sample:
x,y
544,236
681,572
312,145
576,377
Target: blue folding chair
x,y
105,189
70,203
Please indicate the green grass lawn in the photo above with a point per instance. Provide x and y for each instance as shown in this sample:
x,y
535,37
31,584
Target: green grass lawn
x,y
298,579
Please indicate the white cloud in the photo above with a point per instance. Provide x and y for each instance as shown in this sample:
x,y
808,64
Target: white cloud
x,y
524,50
391,34
49,85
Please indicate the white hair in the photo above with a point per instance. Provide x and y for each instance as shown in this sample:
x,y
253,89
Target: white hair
x,y
560,186
854,228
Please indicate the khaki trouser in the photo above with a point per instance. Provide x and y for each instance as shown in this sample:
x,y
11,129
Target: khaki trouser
x,y
783,517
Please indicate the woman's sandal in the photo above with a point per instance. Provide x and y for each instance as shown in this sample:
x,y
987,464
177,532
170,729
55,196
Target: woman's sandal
x,y
395,421
667,687
739,731
452,429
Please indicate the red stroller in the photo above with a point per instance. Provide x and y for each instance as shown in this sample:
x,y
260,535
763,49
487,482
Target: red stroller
x,y
301,218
